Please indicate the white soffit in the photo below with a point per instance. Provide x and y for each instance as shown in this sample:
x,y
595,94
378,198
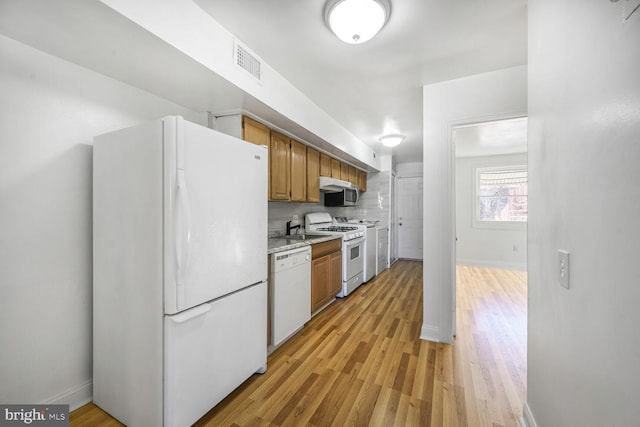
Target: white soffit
x,y
491,138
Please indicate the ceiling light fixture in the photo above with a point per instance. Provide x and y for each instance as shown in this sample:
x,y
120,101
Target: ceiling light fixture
x,y
356,21
392,140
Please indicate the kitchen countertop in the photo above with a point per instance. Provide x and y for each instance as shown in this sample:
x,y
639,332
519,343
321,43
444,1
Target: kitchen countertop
x,y
280,244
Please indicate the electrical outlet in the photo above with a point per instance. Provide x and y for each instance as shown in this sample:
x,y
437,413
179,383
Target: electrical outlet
x,y
295,219
563,268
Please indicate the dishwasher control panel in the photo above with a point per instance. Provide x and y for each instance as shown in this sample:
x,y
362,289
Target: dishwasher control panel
x,y
285,260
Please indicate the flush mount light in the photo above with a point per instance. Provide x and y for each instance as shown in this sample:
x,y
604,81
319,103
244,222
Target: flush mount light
x,y
392,140
356,21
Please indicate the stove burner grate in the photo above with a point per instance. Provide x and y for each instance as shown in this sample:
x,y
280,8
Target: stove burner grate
x,y
337,228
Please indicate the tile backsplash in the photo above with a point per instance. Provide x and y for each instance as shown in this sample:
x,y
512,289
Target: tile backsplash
x,y
374,204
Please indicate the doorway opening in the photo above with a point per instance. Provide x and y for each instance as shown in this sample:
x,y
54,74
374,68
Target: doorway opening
x,y
490,197
490,228
491,193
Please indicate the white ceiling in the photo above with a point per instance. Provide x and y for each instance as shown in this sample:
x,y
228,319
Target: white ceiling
x,y
376,88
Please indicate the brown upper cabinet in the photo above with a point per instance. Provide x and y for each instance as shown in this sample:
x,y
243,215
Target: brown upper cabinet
x,y
294,168
362,180
298,171
335,168
279,167
255,132
258,134
287,169
313,175
353,175
344,171
325,165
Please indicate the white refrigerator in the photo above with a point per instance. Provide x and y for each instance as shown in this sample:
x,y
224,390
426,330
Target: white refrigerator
x,y
180,270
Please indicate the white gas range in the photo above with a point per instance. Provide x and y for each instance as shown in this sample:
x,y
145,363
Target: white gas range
x,y
352,247
371,244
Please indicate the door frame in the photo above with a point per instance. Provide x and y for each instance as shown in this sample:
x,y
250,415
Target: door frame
x,y
393,221
454,255
482,97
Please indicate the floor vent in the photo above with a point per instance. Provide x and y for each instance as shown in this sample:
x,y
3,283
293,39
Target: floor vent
x,y
247,60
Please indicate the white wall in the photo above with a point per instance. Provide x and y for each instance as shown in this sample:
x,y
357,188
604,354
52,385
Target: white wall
x,y
483,97
487,247
49,112
584,175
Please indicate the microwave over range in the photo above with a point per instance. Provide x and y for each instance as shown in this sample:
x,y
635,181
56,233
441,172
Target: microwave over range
x,y
344,197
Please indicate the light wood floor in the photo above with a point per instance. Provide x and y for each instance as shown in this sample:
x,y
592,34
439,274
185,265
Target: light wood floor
x,y
360,362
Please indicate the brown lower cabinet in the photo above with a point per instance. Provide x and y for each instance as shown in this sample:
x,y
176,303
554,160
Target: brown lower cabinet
x,y
326,272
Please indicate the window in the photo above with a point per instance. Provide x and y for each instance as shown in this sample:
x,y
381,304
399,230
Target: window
x,y
501,195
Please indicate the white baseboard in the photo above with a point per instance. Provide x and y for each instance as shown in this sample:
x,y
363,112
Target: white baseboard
x,y
527,419
430,333
74,397
492,264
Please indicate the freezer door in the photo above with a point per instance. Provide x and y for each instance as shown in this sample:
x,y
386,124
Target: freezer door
x,y
212,349
217,215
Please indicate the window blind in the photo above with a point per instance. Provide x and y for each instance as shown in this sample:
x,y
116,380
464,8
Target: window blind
x,y
503,178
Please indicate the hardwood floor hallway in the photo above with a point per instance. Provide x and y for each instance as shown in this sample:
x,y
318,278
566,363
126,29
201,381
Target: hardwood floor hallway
x,y
360,362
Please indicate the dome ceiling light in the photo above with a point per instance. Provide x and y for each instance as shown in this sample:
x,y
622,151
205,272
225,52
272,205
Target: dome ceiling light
x,y
356,21
391,140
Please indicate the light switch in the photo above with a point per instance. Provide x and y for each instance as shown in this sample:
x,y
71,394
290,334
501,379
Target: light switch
x,y
563,268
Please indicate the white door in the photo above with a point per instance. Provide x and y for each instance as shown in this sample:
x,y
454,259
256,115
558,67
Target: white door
x,y
410,217
218,216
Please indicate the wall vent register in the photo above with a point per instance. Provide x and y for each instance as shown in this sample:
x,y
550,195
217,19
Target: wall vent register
x,y
247,60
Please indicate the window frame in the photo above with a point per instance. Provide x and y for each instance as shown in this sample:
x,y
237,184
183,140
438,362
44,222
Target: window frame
x,y
499,225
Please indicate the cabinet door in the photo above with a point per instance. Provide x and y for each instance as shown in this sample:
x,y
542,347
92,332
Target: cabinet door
x,y
313,175
258,134
298,172
335,280
325,165
362,180
344,171
320,276
353,175
280,167
335,168
255,132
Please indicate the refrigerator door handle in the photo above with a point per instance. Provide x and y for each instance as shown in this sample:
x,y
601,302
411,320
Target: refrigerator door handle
x,y
190,314
183,235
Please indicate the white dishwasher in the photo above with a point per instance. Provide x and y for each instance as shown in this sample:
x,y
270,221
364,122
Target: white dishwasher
x,y
290,293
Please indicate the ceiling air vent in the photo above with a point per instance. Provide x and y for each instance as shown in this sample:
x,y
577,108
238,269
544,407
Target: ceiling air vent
x,y
247,60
